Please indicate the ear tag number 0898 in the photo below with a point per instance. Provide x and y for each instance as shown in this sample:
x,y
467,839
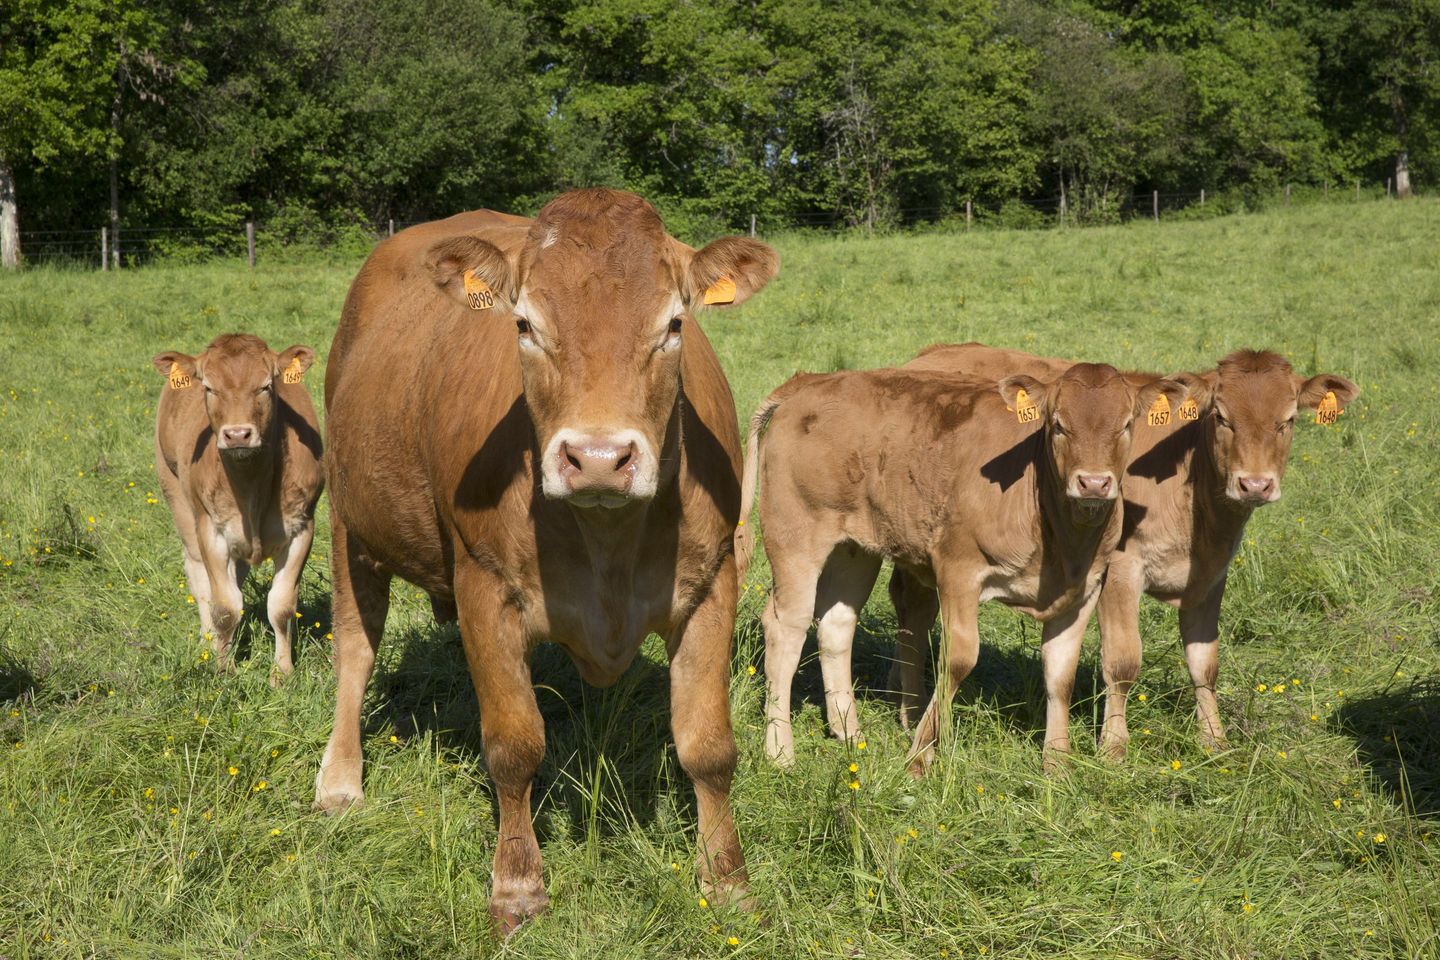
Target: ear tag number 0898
x,y
477,292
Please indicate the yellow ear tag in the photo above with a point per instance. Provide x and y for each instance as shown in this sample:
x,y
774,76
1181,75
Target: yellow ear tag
x,y
721,291
1159,415
1328,410
478,292
179,380
293,373
1189,410
1026,410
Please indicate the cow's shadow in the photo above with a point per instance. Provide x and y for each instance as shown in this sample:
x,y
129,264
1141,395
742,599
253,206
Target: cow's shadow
x,y
1397,734
609,756
17,683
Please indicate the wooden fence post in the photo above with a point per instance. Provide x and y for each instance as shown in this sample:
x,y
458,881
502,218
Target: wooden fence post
x,y
1327,189
1387,186
104,249
250,242
1357,189
1202,196
1062,208
967,214
392,226
1155,204
752,224
1287,194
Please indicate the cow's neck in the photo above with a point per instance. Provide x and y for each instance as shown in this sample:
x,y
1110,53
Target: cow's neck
x,y
1218,520
252,479
1064,520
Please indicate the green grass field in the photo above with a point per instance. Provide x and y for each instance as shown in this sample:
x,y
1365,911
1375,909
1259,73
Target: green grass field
x,y
150,808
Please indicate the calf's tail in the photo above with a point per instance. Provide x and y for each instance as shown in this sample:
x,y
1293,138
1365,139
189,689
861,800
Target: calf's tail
x,y
744,534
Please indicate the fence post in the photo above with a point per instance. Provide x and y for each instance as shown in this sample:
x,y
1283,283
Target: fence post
x,y
392,226
1327,189
1387,186
752,224
1202,196
1155,204
967,214
1062,208
1287,194
250,242
104,249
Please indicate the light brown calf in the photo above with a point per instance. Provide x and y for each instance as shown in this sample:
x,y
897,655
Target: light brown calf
x,y
1190,488
525,420
940,474
238,454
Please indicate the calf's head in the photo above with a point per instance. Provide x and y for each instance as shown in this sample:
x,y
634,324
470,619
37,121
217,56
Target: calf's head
x,y
600,298
1248,408
236,375
1089,416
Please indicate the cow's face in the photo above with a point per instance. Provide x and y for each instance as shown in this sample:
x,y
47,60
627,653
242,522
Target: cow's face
x,y
1089,415
237,377
600,299
1249,406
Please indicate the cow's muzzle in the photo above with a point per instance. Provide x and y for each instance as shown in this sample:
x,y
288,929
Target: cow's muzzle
x,y
1253,488
598,470
238,439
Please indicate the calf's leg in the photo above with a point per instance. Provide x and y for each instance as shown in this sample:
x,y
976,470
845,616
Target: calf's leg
x,y
1200,632
844,586
514,735
185,524
786,620
704,740
280,604
916,607
1119,658
1060,641
360,601
226,601
961,649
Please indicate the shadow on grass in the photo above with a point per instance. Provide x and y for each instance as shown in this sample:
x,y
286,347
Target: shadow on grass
x,y
607,749
16,681
1397,733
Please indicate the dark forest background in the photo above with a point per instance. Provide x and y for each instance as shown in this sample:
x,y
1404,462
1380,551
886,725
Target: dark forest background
x,y
316,115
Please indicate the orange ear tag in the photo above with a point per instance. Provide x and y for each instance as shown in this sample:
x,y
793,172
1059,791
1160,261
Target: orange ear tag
x,y
1328,411
293,373
1026,410
1189,410
478,292
721,291
1159,415
179,380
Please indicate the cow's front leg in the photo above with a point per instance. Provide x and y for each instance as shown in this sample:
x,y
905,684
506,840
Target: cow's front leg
x,y
227,603
704,740
959,606
1060,641
514,735
280,604
1200,632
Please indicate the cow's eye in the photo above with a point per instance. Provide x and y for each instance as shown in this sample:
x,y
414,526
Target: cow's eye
x,y
1058,428
522,325
1220,420
676,323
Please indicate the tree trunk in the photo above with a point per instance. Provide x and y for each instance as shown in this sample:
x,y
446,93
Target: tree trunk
x,y
115,187
9,219
1402,155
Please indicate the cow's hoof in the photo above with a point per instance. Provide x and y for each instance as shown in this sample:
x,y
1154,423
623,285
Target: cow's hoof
x,y
339,800
279,674
919,764
1214,744
1057,764
510,911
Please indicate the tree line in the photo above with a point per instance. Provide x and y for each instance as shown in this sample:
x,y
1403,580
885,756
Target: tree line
x,y
312,115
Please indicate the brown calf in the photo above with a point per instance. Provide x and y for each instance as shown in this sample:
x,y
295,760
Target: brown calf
x,y
525,421
237,451
1007,494
1190,488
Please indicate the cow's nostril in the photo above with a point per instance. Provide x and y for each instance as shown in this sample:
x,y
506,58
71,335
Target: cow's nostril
x,y
625,457
573,461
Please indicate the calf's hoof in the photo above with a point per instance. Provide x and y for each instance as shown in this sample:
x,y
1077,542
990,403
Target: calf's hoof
x,y
333,801
508,911
1214,744
1113,749
1057,763
279,674
921,763
781,754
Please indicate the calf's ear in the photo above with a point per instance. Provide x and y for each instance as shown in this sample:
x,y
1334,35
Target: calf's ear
x,y
1176,390
180,368
1010,389
292,362
727,271
1313,391
472,271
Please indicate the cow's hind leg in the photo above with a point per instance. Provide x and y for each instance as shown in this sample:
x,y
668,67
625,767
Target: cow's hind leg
x,y
704,739
280,604
360,601
844,586
514,736
916,607
786,620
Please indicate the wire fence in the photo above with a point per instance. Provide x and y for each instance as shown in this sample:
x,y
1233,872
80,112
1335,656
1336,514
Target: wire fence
x,y
125,246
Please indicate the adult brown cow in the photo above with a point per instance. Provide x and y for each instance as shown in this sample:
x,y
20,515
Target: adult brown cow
x,y
933,471
1190,488
524,421
237,452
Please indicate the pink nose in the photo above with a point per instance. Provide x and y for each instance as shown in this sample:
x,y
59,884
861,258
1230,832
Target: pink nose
x,y
240,434
1094,486
598,464
1256,487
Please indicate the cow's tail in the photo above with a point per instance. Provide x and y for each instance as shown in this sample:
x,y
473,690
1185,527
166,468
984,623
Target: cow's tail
x,y
744,533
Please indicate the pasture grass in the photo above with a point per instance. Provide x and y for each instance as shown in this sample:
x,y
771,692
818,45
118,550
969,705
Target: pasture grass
x,y
149,807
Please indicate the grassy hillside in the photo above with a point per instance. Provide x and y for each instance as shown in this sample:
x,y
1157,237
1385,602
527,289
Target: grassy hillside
x,y
151,808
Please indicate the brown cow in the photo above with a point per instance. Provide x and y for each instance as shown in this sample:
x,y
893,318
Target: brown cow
x,y
237,451
934,471
1189,490
525,421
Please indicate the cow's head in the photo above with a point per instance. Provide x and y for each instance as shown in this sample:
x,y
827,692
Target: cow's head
x,y
1248,407
1089,415
600,298
236,375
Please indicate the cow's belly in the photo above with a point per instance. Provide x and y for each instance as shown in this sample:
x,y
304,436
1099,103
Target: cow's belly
x,y
1025,591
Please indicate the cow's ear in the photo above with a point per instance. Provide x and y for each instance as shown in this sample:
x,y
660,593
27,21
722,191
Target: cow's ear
x,y
1025,407
1175,390
292,362
726,272
468,269
1313,391
180,368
